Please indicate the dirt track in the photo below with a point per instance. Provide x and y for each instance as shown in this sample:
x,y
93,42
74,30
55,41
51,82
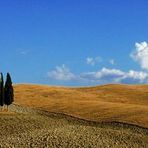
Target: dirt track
x,y
33,128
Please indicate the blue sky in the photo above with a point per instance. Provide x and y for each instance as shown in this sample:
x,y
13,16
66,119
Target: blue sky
x,y
80,42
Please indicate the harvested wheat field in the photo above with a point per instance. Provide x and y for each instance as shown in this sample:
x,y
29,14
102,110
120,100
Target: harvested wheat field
x,y
93,117
28,127
123,103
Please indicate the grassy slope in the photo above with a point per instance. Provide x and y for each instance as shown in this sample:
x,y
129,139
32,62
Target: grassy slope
x,y
125,103
25,127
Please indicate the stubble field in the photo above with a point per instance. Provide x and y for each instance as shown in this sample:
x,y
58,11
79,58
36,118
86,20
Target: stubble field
x,y
102,116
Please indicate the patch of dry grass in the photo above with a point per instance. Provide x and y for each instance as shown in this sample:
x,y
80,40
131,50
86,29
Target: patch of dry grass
x,y
33,128
125,103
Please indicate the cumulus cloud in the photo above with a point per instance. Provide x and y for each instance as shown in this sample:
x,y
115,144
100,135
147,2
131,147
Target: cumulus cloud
x,y
141,54
103,76
61,73
106,75
93,61
135,77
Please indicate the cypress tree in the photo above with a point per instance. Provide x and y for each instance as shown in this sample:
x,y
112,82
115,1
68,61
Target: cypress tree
x,y
8,91
1,90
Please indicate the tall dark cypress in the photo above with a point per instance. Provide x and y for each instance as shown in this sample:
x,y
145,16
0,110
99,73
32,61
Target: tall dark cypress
x,y
8,97
1,90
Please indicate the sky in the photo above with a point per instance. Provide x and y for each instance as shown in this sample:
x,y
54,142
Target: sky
x,y
74,43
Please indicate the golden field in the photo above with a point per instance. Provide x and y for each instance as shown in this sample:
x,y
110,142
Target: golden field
x,y
113,102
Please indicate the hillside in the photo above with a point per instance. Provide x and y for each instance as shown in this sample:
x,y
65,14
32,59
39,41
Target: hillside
x,y
26,127
124,103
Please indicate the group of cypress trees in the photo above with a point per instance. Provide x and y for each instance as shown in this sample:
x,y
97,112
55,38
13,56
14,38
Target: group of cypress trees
x,y
6,91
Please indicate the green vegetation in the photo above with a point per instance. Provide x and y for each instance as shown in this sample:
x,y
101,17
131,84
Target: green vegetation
x,y
6,92
1,90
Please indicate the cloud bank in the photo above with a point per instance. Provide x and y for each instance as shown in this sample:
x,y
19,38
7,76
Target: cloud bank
x,y
105,75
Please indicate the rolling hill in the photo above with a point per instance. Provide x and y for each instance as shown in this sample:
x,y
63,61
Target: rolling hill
x,y
113,102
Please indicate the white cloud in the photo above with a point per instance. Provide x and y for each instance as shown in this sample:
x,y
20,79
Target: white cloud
x,y
112,61
106,75
93,61
141,54
139,76
110,73
61,73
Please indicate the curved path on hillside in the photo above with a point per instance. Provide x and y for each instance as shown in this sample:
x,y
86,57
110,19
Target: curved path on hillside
x,y
26,127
